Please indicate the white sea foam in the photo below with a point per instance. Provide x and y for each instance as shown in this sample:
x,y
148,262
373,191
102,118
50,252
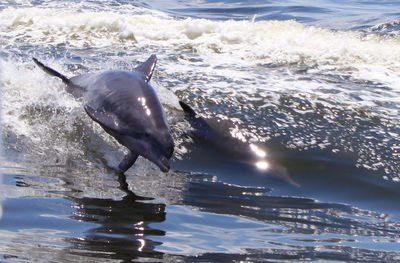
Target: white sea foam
x,y
260,60
1,114
1,142
218,42
284,41
25,92
40,115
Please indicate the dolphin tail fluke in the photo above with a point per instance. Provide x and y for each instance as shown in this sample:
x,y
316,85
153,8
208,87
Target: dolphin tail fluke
x,y
51,71
187,109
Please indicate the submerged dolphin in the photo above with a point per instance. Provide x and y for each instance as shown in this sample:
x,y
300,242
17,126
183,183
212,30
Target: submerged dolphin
x,y
232,149
126,106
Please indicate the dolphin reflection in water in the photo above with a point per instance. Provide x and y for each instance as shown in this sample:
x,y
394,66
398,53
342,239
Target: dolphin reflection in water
x,y
123,228
232,149
126,106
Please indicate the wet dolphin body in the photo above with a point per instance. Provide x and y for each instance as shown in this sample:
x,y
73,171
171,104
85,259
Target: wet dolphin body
x,y
126,106
233,149
208,133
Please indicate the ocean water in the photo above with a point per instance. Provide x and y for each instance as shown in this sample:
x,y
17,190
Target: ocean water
x,y
315,86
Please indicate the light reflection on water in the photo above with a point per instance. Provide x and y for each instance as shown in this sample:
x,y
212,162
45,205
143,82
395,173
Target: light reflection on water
x,y
1,196
337,141
1,141
94,214
333,14
121,226
192,215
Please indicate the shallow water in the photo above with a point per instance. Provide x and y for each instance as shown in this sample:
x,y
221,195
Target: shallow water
x,y
316,87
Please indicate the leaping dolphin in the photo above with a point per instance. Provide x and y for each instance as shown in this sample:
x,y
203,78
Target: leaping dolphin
x,y
126,106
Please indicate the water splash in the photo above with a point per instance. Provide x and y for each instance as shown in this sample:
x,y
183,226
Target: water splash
x,y
316,87
1,111
1,137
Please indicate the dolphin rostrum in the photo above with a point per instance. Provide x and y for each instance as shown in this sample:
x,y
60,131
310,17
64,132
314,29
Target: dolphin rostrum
x,y
126,106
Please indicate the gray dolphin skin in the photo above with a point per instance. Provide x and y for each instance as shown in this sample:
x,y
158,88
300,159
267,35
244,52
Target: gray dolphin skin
x,y
212,135
232,149
126,107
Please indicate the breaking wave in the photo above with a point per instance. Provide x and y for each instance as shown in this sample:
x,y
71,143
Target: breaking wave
x,y
315,87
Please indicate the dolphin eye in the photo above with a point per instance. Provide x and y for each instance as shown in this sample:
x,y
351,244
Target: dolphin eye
x,y
146,135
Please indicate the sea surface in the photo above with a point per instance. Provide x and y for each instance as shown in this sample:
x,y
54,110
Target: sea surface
x,y
311,86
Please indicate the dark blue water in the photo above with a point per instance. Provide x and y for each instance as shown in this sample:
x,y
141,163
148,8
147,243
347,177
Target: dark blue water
x,y
327,13
312,89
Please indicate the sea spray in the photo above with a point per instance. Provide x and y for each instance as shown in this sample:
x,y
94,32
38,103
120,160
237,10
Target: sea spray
x,y
1,136
1,112
319,88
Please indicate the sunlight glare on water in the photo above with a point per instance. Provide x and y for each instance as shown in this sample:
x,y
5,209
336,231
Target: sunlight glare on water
x,y
301,164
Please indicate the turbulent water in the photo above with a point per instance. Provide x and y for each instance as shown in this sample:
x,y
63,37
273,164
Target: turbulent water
x,y
316,86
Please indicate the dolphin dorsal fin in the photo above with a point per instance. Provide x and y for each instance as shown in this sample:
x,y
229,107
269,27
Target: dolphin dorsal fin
x,y
187,109
147,67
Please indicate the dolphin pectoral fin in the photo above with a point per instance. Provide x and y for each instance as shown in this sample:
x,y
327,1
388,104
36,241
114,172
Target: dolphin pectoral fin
x,y
51,71
102,118
147,67
128,161
108,120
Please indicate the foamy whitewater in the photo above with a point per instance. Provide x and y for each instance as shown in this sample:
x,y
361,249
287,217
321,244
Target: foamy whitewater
x,y
322,94
355,71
